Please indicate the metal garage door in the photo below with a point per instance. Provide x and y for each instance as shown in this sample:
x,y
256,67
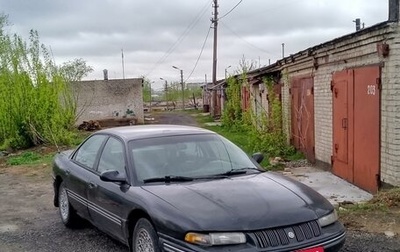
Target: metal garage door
x,y
302,116
356,123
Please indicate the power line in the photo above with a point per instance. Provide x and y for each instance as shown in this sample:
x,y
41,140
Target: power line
x,y
188,29
256,14
201,52
234,7
244,40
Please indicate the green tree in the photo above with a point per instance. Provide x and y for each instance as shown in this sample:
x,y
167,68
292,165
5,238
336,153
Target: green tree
x,y
75,70
147,91
36,105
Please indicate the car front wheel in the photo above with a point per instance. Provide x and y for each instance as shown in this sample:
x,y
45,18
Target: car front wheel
x,y
67,213
144,238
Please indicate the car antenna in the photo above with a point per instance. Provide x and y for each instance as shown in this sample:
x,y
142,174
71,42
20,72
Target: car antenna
x,y
54,140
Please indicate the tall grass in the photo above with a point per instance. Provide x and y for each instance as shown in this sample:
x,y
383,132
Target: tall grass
x,y
36,105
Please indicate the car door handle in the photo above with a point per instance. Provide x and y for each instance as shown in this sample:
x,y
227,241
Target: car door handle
x,y
92,185
67,172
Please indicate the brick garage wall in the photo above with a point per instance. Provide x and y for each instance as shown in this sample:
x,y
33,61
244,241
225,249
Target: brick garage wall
x,y
352,51
390,113
108,98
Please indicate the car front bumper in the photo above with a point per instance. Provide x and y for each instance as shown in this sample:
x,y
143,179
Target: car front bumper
x,y
331,243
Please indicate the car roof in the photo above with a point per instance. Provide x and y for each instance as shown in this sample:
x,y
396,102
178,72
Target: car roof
x,y
146,131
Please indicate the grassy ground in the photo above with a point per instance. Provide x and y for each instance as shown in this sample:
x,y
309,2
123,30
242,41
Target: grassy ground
x,y
379,215
238,138
41,155
30,158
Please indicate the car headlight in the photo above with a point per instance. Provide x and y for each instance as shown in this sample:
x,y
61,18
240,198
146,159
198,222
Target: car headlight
x,y
215,238
328,219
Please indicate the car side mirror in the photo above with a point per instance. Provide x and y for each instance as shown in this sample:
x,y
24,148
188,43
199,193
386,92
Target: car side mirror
x,y
112,176
258,157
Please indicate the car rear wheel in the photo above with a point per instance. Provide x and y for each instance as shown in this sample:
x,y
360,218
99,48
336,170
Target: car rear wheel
x,y
67,213
144,238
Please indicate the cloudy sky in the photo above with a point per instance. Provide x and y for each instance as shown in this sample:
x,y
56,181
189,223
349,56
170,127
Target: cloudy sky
x,y
158,34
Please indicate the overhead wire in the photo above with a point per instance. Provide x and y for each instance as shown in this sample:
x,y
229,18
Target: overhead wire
x,y
188,29
244,40
255,14
234,7
201,52
205,40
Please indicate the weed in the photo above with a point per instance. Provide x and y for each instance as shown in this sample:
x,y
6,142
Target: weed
x,y
263,131
297,155
29,158
388,198
202,119
36,103
382,202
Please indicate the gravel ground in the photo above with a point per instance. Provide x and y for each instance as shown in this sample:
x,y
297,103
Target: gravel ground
x,y
48,235
29,221
367,242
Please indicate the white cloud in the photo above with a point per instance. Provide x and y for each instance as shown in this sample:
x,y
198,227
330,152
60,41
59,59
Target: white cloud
x,y
96,30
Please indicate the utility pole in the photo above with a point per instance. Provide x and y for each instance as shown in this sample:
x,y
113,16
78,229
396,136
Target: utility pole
x,y
123,64
183,91
150,95
166,90
182,86
214,20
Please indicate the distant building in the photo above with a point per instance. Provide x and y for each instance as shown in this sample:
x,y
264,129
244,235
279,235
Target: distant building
x,y
194,85
100,99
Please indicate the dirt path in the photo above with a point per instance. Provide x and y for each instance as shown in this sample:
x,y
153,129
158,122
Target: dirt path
x,y
30,222
174,118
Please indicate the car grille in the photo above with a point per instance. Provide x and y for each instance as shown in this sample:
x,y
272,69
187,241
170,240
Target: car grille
x,y
287,235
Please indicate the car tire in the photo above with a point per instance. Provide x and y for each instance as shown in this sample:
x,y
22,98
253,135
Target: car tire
x,y
144,237
67,213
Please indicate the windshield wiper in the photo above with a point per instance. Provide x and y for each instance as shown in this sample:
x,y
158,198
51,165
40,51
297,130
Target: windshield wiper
x,y
240,171
168,179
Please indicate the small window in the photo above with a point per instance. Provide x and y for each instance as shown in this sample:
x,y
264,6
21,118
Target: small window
x,y
86,154
112,157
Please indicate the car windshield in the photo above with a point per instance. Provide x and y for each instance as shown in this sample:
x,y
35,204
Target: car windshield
x,y
189,156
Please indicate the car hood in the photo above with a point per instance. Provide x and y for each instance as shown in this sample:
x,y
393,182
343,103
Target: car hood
x,y
247,202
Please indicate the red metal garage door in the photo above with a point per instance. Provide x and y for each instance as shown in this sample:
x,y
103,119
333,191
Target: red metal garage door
x,y
356,121
366,128
342,89
302,116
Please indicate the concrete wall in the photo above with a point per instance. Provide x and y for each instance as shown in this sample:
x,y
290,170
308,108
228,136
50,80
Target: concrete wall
x,y
356,50
100,99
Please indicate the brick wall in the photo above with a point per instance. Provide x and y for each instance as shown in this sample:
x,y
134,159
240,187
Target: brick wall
x,y
390,113
350,52
108,98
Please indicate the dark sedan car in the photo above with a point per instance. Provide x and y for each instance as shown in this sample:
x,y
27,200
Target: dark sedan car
x,y
176,188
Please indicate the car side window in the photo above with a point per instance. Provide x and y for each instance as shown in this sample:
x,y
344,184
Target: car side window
x,y
112,157
86,154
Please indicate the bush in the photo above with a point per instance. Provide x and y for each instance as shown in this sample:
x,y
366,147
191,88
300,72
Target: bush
x,y
264,132
36,105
